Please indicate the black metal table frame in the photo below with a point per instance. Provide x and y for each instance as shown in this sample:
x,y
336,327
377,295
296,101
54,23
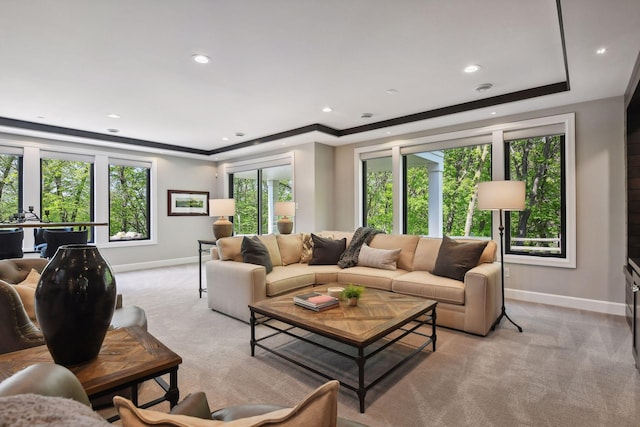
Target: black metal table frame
x,y
362,356
200,252
172,392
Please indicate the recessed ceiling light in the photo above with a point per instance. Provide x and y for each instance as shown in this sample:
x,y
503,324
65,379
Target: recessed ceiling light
x,y
201,59
484,87
366,115
493,113
392,91
327,109
113,116
601,51
388,132
40,117
471,68
239,134
225,139
112,130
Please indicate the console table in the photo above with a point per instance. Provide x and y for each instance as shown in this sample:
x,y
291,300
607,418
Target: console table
x,y
128,357
207,249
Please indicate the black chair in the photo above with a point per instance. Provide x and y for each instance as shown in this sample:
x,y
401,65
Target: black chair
x,y
39,243
57,238
11,243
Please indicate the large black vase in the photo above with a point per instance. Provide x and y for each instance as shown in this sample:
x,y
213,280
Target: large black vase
x,y
74,303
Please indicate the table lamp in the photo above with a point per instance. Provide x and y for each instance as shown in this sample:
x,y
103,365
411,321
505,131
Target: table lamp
x,y
501,196
222,208
285,210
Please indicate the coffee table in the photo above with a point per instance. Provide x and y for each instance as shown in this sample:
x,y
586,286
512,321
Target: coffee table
x,y
382,318
128,357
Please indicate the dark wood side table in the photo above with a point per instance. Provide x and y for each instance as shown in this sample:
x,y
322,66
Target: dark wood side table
x,y
128,357
207,250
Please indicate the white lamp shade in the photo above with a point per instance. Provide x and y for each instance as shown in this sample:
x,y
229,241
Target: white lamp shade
x,y
222,207
505,195
285,208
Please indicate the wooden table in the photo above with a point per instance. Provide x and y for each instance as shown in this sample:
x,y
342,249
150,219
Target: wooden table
x,y
382,318
128,357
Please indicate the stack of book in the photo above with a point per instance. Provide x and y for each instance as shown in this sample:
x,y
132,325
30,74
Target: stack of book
x,y
316,301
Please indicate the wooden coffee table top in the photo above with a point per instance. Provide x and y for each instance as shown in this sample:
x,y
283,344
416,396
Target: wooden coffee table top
x,y
377,313
127,355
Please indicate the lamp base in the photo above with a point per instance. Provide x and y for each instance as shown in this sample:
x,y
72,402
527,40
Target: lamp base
x,y
504,314
222,228
285,226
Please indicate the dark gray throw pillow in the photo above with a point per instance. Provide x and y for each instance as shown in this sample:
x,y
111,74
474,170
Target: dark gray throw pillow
x,y
255,252
326,251
456,258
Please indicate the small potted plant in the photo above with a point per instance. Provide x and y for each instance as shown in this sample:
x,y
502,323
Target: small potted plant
x,y
352,292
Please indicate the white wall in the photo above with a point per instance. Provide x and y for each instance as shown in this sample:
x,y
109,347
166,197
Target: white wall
x,y
600,176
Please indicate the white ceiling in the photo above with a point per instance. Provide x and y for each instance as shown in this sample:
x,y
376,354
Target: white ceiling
x,y
276,63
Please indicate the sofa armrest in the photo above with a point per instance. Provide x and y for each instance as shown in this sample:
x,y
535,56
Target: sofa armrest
x,y
233,285
46,379
194,405
482,296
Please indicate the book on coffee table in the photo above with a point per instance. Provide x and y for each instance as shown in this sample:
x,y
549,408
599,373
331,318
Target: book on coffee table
x,y
316,301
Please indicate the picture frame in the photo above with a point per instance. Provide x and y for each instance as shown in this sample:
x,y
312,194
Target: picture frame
x,y
187,203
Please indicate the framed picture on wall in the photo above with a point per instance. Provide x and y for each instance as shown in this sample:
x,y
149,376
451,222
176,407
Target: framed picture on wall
x,y
187,203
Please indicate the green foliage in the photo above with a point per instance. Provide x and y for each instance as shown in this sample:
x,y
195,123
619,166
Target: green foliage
x,y
129,200
352,291
67,190
9,190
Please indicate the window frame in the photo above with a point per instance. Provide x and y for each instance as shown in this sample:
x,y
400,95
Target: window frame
x,y
495,133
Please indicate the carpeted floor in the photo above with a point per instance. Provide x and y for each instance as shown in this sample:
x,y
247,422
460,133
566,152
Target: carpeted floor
x,y
569,367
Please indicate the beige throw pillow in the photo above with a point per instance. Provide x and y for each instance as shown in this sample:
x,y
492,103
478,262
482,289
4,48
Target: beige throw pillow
x,y
290,246
32,279
27,291
319,409
384,259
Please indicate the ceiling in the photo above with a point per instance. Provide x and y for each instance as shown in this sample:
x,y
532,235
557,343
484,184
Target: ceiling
x,y
66,65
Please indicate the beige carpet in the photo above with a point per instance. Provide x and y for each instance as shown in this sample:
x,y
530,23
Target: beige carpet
x,y
569,367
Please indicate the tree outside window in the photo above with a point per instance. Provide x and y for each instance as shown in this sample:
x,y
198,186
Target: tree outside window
x,y
129,204
539,228
10,166
378,194
67,190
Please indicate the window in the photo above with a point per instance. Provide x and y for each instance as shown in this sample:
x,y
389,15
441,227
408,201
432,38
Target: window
x,y
441,189
10,186
378,193
539,229
67,190
255,192
129,202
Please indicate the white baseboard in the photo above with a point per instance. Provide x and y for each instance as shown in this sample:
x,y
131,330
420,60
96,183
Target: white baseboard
x,y
154,264
569,302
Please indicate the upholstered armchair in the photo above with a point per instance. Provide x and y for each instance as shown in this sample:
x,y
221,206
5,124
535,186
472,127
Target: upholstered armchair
x,y
18,326
318,409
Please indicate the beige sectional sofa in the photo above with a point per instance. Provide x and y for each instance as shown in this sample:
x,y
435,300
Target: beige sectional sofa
x,y
471,305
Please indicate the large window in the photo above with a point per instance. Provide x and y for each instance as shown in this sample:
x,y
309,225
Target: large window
x,y
540,228
10,186
129,202
255,192
67,190
441,189
428,186
378,193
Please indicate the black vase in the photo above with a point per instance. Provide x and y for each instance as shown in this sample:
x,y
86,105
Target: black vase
x,y
74,303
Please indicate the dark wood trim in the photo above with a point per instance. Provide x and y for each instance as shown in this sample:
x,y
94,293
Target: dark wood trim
x,y
564,45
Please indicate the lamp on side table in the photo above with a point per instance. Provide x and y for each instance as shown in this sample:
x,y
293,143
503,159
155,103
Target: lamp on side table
x,y
222,208
501,196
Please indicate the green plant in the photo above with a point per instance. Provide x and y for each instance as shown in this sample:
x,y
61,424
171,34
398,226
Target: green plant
x,y
352,291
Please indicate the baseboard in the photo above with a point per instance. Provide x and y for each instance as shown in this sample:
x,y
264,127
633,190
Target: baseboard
x,y
154,264
565,301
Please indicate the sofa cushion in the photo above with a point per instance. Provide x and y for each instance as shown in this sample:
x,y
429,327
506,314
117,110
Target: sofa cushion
x,y
369,277
456,258
271,242
290,246
284,279
230,248
406,242
326,251
426,285
385,259
428,247
32,279
27,291
325,273
255,252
